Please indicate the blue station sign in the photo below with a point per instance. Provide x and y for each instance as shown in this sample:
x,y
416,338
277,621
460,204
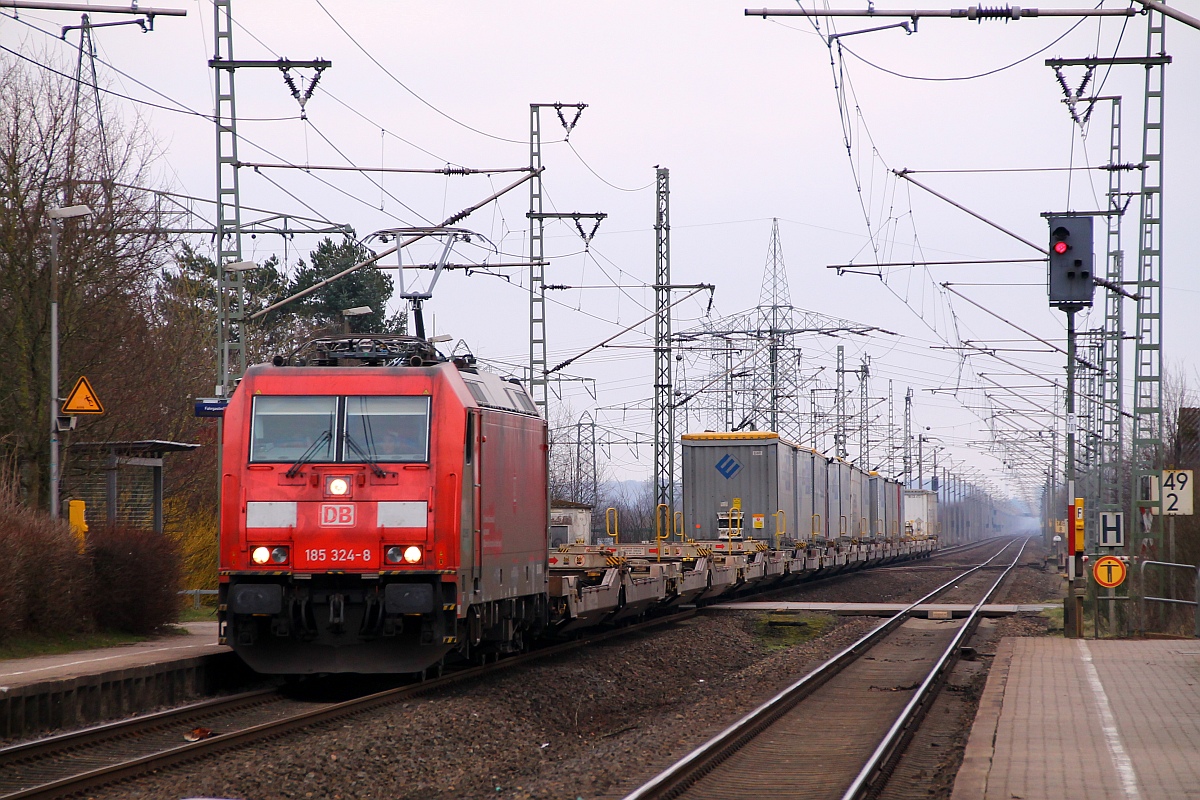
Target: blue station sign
x,y
211,406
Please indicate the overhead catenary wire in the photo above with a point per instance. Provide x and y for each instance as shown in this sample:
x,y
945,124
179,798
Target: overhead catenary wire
x,y
405,86
938,79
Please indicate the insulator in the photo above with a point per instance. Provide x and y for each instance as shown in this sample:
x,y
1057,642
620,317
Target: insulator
x,y
980,13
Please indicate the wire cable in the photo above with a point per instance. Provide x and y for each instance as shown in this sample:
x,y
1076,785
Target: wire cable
x,y
963,77
405,87
601,178
366,175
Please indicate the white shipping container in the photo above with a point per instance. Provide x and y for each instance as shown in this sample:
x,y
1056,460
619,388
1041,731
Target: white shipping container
x,y
920,513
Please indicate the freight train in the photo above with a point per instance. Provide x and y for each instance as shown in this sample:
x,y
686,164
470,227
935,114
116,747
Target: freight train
x,y
384,508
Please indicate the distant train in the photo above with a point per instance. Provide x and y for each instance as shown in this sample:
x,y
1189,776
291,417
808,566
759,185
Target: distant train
x,y
384,507
781,488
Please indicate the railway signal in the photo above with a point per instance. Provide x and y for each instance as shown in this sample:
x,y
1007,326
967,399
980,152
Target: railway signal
x,y
1071,275
1071,284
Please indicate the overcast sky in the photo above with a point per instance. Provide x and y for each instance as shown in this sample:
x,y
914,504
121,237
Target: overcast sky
x,y
745,114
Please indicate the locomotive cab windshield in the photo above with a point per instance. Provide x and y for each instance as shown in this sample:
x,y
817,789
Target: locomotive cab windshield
x,y
354,429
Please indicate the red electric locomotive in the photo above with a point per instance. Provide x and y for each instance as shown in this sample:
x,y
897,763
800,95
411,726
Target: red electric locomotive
x,y
381,507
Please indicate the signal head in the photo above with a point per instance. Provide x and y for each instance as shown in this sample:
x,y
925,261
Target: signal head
x,y
1071,280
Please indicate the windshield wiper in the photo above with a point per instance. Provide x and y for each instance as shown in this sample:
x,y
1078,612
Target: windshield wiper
x,y
365,456
307,455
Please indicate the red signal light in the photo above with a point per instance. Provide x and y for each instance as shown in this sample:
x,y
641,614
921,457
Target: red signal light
x,y
1061,247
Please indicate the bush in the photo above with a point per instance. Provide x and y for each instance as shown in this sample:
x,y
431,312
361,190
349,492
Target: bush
x,y
136,579
193,527
44,580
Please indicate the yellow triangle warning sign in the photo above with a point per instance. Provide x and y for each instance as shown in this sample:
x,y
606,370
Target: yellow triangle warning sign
x,y
83,399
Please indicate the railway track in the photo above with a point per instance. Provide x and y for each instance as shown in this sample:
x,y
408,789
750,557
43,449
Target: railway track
x,y
836,732
68,763
72,762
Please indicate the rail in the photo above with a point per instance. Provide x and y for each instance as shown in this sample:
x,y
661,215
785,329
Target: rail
x,y
74,769
196,593
1145,597
705,757
894,739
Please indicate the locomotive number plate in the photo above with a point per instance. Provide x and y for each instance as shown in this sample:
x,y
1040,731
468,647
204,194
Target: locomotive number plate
x,y
322,555
337,515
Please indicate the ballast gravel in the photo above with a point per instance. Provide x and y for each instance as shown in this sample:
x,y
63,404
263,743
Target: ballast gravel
x,y
587,724
591,724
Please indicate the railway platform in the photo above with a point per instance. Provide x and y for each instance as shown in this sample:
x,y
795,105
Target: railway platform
x,y
44,693
199,640
1077,719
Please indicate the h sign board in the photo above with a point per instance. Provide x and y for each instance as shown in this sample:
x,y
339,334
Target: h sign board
x,y
1112,529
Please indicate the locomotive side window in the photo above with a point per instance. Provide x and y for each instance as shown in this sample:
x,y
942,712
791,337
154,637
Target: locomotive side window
x,y
478,392
521,401
386,429
285,428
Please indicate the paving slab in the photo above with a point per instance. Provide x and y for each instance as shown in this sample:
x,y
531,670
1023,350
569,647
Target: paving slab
x,y
200,639
1077,719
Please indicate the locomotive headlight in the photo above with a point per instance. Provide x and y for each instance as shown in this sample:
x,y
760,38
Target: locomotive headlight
x,y
261,555
337,486
398,552
279,555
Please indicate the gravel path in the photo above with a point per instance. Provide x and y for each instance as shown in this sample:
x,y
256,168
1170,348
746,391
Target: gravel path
x,y
589,724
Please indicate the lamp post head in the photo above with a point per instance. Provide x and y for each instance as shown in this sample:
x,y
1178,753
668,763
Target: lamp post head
x,y
69,211
239,266
357,311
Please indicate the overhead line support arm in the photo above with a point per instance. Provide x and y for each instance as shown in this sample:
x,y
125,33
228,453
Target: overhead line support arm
x,y
42,5
700,288
903,173
282,63
1012,324
1173,13
975,13
410,240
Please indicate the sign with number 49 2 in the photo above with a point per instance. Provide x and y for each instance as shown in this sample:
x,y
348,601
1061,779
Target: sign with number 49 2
x,y
1176,492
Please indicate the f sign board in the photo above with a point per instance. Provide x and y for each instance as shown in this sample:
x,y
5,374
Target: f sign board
x,y
1077,539
1112,529
1176,488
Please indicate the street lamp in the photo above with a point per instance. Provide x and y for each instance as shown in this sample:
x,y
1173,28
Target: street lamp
x,y
57,215
357,311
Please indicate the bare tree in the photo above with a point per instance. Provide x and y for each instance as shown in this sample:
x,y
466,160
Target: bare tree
x,y
107,264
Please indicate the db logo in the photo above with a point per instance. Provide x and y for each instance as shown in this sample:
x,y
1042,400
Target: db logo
x,y
337,514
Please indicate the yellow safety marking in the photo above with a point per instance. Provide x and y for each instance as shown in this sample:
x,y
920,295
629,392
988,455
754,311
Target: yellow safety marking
x,y
699,437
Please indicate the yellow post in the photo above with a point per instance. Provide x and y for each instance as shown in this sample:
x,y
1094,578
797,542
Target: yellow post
x,y
77,519
612,524
679,525
780,526
662,519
